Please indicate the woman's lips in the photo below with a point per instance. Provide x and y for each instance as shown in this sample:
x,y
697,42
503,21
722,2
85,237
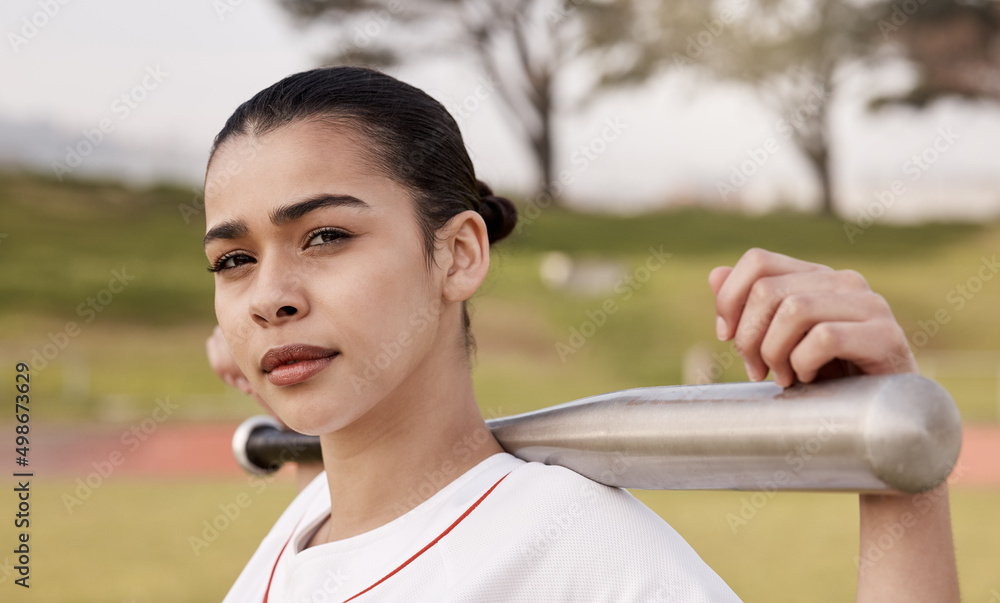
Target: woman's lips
x,y
290,374
295,362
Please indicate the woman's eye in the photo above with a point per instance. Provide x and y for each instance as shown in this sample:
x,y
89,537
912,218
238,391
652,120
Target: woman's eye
x,y
326,236
229,262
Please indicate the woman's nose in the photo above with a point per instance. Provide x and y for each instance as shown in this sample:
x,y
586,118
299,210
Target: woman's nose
x,y
278,296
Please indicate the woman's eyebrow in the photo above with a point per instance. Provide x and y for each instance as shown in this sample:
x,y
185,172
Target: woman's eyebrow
x,y
289,213
233,229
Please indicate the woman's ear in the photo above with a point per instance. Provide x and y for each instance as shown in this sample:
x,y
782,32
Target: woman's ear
x,y
464,255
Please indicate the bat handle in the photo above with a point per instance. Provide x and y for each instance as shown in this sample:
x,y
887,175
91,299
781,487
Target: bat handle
x,y
261,446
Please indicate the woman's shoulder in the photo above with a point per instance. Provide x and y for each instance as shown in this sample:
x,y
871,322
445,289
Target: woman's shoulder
x,y
562,534
552,495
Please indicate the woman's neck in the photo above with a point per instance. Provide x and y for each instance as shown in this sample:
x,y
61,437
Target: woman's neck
x,y
415,442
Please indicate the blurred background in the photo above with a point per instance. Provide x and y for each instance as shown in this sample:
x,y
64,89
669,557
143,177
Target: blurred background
x,y
856,134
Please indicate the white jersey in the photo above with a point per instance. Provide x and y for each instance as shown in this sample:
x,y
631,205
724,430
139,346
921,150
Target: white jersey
x,y
505,531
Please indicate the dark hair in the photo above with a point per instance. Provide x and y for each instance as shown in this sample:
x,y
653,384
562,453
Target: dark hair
x,y
410,136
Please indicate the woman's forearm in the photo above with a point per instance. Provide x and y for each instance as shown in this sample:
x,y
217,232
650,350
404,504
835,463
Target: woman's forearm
x,y
906,551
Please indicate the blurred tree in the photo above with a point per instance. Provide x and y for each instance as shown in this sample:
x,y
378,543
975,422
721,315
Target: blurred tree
x,y
955,47
522,47
793,53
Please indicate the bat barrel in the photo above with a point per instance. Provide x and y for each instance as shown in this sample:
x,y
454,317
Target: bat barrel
x,y
869,433
899,432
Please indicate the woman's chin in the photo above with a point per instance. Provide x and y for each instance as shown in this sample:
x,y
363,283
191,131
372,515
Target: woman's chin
x,y
313,418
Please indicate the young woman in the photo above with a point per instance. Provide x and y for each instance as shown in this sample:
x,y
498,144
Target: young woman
x,y
344,219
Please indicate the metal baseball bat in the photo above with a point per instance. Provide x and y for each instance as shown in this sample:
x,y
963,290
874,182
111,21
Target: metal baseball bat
x,y
856,434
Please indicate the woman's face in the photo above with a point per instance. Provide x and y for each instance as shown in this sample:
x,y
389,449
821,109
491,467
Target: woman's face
x,y
316,247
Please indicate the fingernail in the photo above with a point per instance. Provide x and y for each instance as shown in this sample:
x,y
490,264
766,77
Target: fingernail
x,y
751,371
243,385
721,328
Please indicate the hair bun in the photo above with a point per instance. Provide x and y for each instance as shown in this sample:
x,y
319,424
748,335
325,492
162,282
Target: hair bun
x,y
499,213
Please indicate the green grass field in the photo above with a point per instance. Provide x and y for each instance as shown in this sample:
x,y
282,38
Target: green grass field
x,y
64,244
64,241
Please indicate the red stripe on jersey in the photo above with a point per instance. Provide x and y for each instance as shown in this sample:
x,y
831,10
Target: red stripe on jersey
x,y
405,563
433,542
268,591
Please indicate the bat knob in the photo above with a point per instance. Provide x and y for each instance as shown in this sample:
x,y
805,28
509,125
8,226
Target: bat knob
x,y
242,437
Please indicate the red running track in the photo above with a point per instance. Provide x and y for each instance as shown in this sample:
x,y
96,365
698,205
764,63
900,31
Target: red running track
x,y
204,450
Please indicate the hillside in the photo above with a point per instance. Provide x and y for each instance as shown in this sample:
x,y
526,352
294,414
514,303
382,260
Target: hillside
x,y
66,242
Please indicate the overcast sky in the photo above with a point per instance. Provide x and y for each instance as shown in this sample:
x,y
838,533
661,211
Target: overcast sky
x,y
194,66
